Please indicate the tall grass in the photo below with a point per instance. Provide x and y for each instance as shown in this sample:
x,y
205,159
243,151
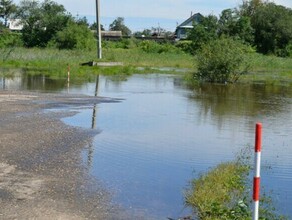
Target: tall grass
x,y
219,194
139,58
269,69
58,60
224,193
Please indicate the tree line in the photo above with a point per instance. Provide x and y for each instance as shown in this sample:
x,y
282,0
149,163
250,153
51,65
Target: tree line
x,y
261,24
48,24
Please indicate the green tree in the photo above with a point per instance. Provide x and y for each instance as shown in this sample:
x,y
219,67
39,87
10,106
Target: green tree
x,y
41,21
273,29
204,32
7,9
94,27
232,24
75,36
82,21
249,7
227,22
244,29
144,33
119,25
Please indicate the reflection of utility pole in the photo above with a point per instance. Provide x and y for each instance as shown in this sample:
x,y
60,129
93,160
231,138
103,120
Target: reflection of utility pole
x,y
98,29
3,83
90,145
96,85
93,124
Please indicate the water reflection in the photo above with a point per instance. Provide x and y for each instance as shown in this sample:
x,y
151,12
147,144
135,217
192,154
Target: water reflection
x,y
93,125
222,100
230,102
21,79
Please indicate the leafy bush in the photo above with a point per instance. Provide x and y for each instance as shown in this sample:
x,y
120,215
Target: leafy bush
x,y
286,52
185,45
154,47
75,36
9,39
123,44
221,61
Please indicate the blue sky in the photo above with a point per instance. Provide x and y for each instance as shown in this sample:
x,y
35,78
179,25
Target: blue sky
x,y
141,14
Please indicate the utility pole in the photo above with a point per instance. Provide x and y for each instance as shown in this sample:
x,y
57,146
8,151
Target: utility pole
x,y
98,29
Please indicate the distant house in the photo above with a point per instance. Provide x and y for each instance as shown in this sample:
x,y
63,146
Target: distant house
x,y
15,25
111,33
182,30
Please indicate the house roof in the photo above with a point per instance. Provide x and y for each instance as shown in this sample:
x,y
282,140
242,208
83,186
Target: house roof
x,y
189,22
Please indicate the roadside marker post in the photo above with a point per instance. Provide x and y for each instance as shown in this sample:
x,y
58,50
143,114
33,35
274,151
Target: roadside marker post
x,y
68,74
257,169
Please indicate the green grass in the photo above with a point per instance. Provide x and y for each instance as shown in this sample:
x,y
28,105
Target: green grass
x,y
138,58
219,194
264,69
53,58
223,193
269,70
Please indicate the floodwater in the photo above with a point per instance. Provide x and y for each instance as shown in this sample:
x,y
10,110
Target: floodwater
x,y
161,135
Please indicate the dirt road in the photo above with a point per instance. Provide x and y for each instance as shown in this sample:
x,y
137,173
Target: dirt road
x,y
42,175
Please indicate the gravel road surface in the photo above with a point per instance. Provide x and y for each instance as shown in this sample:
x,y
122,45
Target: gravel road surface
x,y
42,175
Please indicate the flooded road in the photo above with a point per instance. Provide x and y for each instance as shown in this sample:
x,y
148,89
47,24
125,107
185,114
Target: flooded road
x,y
161,135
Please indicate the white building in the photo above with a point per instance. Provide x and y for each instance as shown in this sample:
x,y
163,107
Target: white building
x,y
15,25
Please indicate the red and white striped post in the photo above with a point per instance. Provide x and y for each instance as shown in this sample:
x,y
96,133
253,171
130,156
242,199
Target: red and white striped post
x,y
68,73
256,180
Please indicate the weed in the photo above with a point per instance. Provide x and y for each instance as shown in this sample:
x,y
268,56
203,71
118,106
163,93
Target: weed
x,y
223,193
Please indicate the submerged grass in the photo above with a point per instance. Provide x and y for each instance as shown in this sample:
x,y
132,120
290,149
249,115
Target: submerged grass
x,y
219,194
224,193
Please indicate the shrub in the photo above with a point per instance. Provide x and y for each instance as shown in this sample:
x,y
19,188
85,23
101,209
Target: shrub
x,y
75,36
185,45
123,43
154,47
221,61
8,39
286,52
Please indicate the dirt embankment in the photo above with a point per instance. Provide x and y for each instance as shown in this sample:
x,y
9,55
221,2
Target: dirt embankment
x,y
42,175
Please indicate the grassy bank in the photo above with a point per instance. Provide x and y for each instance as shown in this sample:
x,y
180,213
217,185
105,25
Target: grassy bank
x,y
224,193
267,69
53,59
